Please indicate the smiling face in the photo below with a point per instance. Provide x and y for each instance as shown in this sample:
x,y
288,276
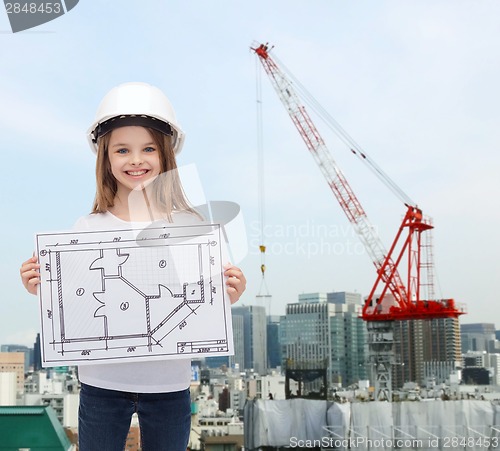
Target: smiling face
x,y
134,158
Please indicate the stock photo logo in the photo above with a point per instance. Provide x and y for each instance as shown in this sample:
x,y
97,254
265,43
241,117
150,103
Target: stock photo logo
x,y
24,15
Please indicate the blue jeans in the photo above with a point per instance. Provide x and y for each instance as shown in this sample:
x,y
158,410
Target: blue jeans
x,y
104,419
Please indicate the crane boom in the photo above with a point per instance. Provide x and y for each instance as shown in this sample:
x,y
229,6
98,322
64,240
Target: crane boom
x,y
396,300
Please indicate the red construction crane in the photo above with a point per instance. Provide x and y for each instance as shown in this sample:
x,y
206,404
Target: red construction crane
x,y
392,297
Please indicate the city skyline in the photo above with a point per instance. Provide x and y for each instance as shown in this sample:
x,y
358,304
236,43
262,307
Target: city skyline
x,y
414,83
323,329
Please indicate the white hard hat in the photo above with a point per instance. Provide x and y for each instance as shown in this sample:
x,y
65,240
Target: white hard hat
x,y
135,104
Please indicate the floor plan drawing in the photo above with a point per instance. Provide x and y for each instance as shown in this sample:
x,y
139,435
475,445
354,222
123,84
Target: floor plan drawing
x,y
132,294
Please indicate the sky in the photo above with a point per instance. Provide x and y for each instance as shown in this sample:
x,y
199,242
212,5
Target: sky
x,y
414,82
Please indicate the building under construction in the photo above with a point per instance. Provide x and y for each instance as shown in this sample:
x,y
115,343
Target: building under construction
x,y
426,349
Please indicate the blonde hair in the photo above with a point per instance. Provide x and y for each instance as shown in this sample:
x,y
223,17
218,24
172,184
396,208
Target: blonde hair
x,y
168,194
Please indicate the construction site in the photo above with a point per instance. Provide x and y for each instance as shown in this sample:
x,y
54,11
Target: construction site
x,y
412,335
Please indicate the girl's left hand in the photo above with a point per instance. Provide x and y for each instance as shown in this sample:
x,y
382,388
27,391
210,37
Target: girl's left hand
x,y
236,282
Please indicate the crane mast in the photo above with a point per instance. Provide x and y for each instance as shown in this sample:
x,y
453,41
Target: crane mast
x,y
390,298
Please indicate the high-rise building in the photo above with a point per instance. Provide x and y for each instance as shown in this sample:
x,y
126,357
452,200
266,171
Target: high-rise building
x,y
352,367
273,341
313,298
13,348
326,328
238,359
494,366
420,344
238,341
37,354
254,336
8,389
478,337
13,362
28,353
344,297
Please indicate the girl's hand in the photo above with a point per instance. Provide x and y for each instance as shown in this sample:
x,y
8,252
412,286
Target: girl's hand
x,y
236,282
30,274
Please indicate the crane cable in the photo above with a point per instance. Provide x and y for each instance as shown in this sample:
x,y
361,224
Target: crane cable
x,y
260,180
355,148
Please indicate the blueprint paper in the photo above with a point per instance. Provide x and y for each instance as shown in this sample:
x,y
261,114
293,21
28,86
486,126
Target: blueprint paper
x,y
133,294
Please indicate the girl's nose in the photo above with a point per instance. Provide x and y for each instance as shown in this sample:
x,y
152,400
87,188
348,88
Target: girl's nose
x,y
136,158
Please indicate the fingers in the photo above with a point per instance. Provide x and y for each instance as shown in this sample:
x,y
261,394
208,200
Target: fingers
x,y
235,283
30,274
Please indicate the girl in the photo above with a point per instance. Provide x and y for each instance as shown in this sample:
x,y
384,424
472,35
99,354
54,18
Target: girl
x,y
136,138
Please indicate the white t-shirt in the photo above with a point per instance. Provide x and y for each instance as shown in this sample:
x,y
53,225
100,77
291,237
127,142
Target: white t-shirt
x,y
156,376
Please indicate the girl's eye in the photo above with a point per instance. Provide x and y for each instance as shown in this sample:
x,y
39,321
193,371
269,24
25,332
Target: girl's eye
x,y
122,151
149,149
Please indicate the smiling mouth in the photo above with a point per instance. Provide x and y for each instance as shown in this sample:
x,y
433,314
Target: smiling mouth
x,y
137,173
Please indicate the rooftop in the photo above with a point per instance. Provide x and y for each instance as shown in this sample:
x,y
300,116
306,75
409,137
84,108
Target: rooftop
x,y
32,427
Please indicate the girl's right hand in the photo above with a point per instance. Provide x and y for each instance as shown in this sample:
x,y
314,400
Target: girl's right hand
x,y
30,274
